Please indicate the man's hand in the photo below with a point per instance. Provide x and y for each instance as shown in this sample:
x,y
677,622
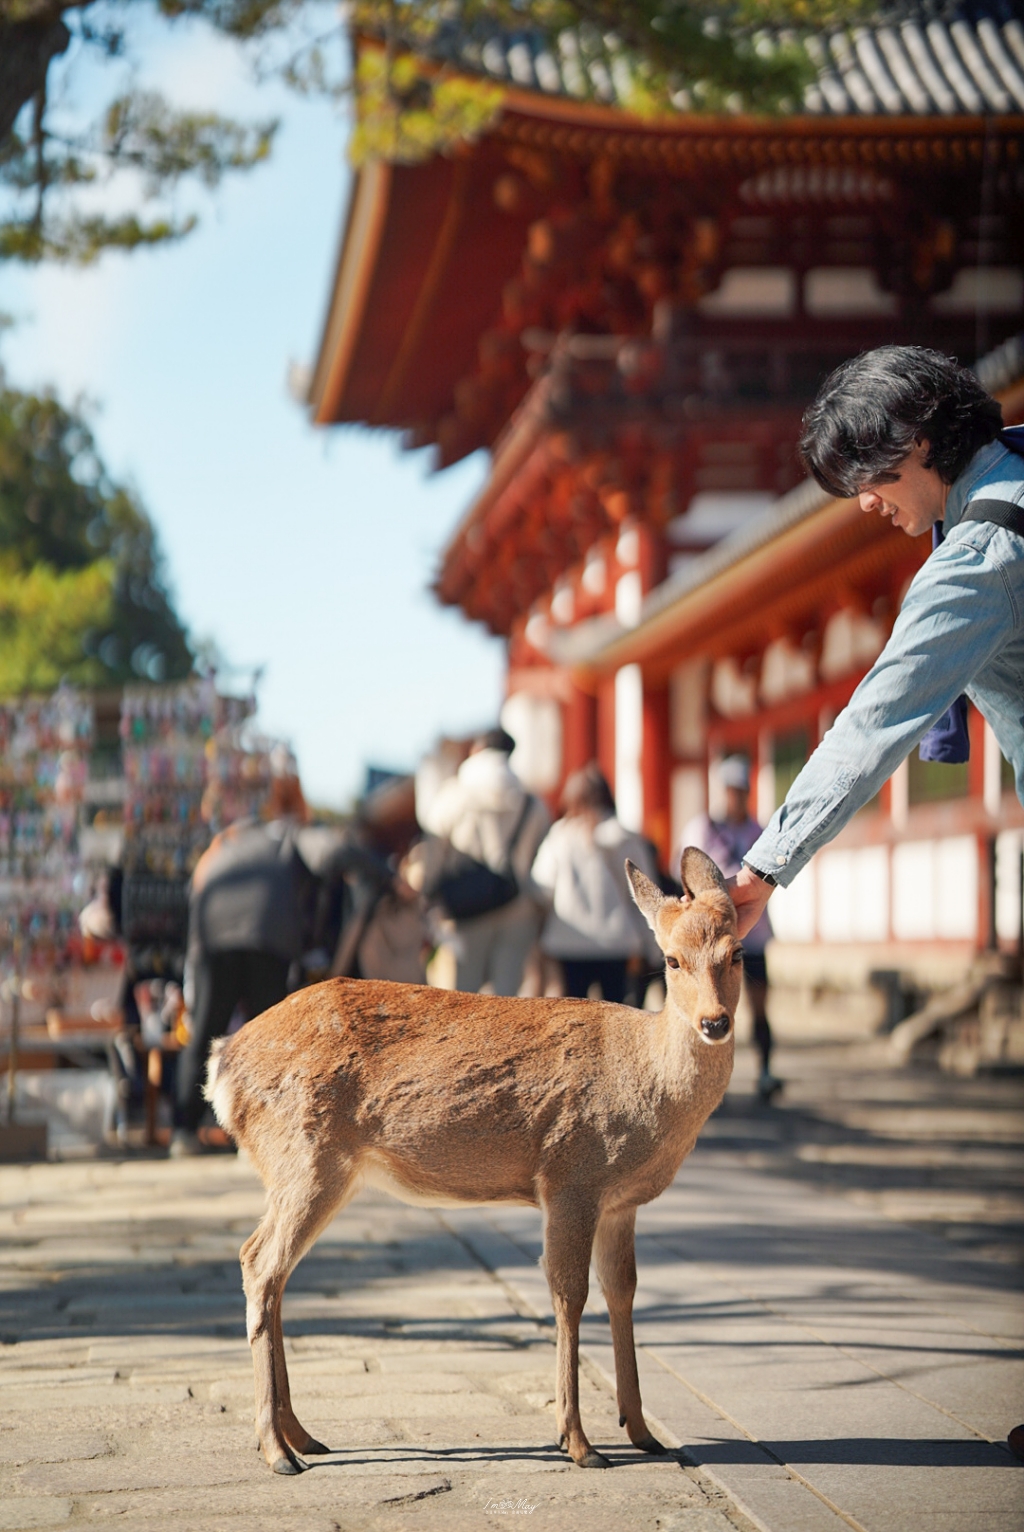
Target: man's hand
x,y
749,894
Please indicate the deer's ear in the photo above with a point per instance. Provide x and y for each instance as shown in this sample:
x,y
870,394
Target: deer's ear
x,y
699,874
648,896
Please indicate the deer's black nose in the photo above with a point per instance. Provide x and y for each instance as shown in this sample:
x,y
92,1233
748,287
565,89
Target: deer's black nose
x,y
715,1027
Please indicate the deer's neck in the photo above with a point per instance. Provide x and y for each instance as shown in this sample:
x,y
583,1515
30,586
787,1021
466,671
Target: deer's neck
x,y
684,1065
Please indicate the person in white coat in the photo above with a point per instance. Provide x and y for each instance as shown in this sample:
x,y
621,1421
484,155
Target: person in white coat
x,y
485,812
593,927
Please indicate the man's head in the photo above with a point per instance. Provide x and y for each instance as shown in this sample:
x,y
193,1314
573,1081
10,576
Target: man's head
x,y
896,426
734,777
493,739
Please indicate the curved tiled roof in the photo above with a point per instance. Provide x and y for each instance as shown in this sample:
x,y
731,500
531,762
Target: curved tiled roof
x,y
914,58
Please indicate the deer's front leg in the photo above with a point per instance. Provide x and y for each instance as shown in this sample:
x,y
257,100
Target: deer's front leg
x,y
615,1259
568,1237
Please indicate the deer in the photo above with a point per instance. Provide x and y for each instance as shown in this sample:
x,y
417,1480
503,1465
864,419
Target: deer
x,y
583,1109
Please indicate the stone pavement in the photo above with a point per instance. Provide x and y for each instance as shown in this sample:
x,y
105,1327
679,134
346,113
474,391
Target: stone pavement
x,y
829,1319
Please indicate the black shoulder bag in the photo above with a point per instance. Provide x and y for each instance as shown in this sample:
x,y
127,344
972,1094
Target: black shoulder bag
x,y
465,887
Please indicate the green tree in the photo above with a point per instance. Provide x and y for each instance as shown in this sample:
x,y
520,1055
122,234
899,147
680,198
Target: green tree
x,y
414,94
83,594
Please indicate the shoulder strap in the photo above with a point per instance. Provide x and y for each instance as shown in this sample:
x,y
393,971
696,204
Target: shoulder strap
x,y
520,822
1005,513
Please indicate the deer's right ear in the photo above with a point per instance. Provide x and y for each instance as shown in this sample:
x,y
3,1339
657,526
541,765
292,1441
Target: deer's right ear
x,y
648,896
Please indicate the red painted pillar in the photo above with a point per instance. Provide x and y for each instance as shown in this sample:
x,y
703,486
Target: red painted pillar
x,y
580,719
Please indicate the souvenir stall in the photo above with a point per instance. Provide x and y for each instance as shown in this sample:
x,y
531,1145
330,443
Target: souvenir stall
x,y
107,801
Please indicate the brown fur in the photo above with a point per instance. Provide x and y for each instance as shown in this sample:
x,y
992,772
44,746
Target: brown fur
x,y
583,1109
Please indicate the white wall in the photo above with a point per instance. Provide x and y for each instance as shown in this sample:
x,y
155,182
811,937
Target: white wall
x,y
935,889
1008,891
629,734
688,798
792,909
930,888
535,723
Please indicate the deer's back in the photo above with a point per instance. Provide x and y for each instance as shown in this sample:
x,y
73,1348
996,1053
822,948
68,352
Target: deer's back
x,y
441,1090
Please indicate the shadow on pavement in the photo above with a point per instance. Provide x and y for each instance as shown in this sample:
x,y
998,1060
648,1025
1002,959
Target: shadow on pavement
x,y
860,1451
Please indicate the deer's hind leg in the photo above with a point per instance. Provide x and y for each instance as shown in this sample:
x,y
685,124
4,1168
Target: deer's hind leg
x,y
295,1434
269,1256
615,1259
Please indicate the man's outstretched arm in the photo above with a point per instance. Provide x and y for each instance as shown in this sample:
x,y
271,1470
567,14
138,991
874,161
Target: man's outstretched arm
x,y
957,614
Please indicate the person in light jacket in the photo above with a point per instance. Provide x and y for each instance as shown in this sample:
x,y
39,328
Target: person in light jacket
x,y
917,440
593,928
485,812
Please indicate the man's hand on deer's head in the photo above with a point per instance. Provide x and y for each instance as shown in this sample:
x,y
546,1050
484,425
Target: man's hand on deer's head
x,y
749,894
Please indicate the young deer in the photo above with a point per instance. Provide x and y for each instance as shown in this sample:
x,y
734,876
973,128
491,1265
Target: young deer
x,y
584,1109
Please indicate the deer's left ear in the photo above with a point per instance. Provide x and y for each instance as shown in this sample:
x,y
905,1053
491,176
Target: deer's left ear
x,y
647,895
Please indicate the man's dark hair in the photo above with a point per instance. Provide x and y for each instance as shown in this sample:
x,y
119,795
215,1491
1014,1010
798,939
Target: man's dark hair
x,y
496,739
871,412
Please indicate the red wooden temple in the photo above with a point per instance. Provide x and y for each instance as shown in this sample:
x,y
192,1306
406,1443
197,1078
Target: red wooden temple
x,y
631,315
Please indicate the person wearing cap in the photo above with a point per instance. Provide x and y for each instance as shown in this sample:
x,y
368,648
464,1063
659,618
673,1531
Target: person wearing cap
x,y
727,842
917,440
484,812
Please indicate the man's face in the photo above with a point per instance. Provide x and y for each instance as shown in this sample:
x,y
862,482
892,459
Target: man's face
x,y
737,801
914,499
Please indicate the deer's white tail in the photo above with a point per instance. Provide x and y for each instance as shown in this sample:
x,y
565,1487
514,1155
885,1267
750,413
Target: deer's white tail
x,y
218,1091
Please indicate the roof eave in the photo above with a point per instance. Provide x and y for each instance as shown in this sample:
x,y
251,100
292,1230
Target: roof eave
x,y
357,259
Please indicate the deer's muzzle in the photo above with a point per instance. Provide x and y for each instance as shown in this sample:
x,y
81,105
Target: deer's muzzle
x,y
715,1028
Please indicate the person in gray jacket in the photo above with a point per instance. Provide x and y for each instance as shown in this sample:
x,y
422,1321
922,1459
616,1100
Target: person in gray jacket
x,y
250,908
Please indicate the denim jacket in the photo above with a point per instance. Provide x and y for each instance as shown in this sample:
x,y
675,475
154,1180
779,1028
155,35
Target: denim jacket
x,y
960,629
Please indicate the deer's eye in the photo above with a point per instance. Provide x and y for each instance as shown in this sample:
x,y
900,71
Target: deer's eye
x,y
672,962
737,956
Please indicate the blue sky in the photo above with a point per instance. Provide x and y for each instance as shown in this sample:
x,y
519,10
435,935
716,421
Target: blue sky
x,y
307,551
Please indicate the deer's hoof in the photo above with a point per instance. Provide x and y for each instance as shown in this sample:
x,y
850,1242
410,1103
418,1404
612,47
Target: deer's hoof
x,y
594,1459
287,1466
652,1445
315,1448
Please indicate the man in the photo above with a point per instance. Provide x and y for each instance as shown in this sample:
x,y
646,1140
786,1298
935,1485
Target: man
x,y
727,842
917,439
484,812
250,911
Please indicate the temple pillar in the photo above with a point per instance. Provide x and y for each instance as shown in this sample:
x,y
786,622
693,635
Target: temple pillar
x,y
580,713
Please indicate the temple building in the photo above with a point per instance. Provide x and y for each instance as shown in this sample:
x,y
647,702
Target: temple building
x,y
631,314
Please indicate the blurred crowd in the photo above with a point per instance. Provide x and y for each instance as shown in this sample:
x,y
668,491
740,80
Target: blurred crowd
x,y
459,878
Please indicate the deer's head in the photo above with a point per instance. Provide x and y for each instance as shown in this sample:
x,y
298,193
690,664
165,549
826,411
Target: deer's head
x,y
697,934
